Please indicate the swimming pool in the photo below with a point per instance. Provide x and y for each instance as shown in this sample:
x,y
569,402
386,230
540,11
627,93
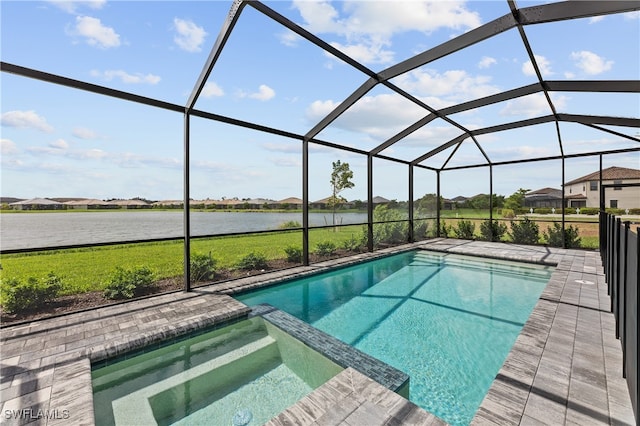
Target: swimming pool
x,y
447,321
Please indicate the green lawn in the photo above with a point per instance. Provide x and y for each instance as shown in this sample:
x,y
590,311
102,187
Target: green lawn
x,y
88,269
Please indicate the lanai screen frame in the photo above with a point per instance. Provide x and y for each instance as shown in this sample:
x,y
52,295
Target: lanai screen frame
x,y
517,18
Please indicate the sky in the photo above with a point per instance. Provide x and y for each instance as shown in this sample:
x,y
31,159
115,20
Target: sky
x,y
62,142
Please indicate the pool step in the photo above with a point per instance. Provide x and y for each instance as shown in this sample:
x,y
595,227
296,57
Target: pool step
x,y
203,379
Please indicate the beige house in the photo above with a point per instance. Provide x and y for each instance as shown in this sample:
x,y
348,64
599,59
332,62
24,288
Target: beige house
x,y
585,191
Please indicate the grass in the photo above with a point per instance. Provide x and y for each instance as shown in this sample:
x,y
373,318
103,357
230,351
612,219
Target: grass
x,y
88,269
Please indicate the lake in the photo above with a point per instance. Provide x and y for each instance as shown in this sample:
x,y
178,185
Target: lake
x,y
35,230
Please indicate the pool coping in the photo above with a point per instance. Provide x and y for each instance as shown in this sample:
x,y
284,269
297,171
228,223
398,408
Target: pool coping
x,y
565,367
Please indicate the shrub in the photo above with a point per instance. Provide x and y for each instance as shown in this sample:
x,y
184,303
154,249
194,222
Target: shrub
x,y
127,283
395,230
253,260
33,294
202,267
492,230
508,213
554,236
445,229
569,210
524,232
291,224
611,210
542,210
420,229
355,245
589,210
465,229
634,211
326,248
294,254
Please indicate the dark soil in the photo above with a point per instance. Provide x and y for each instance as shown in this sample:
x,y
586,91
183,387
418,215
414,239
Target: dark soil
x,y
95,299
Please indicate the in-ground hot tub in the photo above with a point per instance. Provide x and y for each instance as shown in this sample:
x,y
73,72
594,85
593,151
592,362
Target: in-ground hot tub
x,y
243,373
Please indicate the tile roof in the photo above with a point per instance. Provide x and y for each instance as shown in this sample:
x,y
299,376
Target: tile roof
x,y
611,173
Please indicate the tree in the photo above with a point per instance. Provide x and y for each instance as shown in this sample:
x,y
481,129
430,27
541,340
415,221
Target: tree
x,y
515,201
427,204
340,180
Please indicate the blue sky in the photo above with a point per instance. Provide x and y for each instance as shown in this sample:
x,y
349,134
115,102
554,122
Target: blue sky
x,y
59,142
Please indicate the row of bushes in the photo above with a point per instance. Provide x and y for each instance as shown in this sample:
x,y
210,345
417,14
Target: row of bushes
x,y
524,231
19,296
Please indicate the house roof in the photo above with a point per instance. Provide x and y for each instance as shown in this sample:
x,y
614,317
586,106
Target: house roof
x,y
379,200
611,173
576,197
129,203
40,201
544,191
291,200
87,202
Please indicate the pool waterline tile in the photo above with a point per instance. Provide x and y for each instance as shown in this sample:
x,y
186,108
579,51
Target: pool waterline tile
x,y
561,307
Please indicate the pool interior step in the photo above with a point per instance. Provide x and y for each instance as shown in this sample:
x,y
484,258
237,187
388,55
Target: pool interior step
x,y
184,392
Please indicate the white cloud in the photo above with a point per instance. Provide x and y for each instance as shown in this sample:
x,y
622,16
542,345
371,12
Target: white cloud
x,y
211,90
96,34
125,77
59,144
443,89
632,15
287,161
26,120
71,6
289,38
368,26
591,63
595,19
543,64
293,148
369,53
8,147
533,105
382,116
84,133
189,36
264,93
377,117
486,62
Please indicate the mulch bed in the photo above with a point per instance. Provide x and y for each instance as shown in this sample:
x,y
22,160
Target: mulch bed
x,y
95,299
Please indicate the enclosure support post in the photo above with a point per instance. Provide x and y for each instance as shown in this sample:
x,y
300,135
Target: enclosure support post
x,y
305,202
185,209
438,203
370,202
491,198
411,236
564,244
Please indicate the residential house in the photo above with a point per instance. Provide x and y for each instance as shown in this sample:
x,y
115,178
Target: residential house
x,y
37,204
290,203
585,191
131,204
545,197
87,203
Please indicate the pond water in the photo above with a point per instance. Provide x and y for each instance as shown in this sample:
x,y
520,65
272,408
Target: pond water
x,y
34,230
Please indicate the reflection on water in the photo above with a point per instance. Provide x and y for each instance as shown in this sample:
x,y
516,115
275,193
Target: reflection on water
x,y
33,230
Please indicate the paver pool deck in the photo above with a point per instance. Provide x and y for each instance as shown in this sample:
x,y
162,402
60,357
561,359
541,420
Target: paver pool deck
x,y
565,367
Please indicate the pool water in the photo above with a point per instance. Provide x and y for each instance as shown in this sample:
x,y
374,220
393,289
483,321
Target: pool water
x,y
250,371
447,321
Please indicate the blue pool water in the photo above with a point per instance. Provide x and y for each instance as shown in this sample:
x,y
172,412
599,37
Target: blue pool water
x,y
448,321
